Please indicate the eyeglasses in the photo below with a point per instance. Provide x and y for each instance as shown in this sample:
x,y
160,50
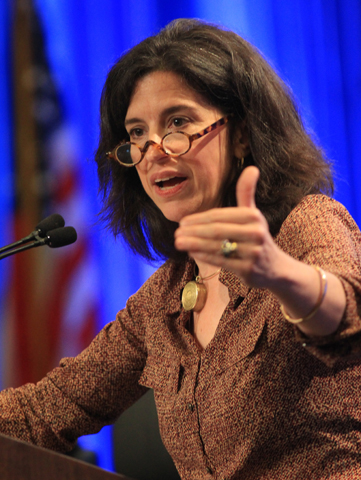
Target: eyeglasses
x,y
173,143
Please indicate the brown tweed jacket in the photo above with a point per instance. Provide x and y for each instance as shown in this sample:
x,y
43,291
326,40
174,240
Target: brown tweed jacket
x,y
260,402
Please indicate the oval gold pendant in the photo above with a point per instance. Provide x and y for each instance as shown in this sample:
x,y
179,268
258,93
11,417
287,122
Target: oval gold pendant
x,y
194,296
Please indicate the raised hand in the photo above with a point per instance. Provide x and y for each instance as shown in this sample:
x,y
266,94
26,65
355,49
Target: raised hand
x,y
255,254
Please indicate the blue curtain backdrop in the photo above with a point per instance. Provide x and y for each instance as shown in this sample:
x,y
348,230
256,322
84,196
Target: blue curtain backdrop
x,y
314,44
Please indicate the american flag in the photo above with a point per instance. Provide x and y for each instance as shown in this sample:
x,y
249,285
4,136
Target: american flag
x,y
52,303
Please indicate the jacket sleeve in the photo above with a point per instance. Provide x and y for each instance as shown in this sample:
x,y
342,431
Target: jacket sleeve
x,y
84,393
321,232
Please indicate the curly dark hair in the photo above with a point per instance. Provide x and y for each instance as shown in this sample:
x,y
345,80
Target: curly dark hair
x,y
234,77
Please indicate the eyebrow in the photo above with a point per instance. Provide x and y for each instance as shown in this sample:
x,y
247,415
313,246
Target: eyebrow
x,y
165,112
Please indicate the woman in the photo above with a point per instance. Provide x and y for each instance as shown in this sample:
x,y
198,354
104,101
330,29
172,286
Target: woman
x,y
249,332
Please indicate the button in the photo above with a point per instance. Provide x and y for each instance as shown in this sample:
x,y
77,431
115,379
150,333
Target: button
x,y
190,407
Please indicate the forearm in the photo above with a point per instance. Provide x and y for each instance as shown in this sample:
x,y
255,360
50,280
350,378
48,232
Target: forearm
x,y
25,418
79,397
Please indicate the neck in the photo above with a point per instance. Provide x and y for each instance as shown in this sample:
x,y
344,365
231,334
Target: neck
x,y
206,269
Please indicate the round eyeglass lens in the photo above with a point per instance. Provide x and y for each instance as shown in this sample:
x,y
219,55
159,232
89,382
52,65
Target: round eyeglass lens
x,y
176,143
128,154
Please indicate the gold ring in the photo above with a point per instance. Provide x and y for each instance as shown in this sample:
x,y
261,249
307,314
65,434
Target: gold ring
x,y
229,249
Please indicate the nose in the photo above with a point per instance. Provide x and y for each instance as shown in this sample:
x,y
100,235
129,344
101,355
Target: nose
x,y
153,151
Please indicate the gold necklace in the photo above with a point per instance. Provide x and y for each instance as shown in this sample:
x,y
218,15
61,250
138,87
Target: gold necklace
x,y
194,294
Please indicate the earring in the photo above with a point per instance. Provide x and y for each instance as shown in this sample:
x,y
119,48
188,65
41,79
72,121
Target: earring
x,y
240,163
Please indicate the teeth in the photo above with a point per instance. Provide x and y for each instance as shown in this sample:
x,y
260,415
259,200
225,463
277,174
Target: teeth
x,y
168,188
163,180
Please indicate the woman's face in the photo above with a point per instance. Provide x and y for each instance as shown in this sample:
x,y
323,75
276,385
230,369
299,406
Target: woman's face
x,y
162,102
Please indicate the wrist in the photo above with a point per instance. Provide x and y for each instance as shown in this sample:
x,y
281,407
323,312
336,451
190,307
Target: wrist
x,y
296,285
321,296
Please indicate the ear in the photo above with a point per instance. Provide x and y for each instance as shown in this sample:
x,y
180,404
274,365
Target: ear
x,y
240,141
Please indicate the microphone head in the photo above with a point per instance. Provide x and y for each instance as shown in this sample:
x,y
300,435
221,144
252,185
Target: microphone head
x,y
52,222
59,237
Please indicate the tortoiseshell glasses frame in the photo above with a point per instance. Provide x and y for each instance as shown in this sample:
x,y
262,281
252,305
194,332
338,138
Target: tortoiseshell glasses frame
x,y
176,144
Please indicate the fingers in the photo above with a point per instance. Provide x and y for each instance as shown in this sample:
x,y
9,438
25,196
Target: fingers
x,y
208,239
202,234
243,263
196,236
252,250
245,224
196,246
246,187
204,243
223,215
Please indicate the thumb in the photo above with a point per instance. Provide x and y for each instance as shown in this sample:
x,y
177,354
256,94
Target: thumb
x,y
246,187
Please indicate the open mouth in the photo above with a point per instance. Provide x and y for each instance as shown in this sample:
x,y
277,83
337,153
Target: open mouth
x,y
167,183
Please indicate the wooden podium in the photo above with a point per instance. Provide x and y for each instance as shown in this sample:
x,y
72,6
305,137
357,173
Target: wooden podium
x,y
22,461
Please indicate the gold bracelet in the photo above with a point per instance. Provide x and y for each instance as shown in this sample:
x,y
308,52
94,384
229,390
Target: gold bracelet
x,y
323,290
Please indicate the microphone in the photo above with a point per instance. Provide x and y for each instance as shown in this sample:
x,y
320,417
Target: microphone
x,y
49,223
52,222
60,237
55,238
